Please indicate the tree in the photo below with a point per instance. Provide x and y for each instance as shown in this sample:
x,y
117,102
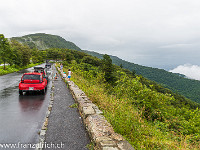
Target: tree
x,y
53,53
69,57
17,54
5,50
26,55
107,68
38,55
21,53
91,60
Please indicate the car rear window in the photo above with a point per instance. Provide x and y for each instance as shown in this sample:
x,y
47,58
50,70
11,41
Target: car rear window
x,y
31,77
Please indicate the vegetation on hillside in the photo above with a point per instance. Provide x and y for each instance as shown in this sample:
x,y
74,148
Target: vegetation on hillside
x,y
148,115
175,82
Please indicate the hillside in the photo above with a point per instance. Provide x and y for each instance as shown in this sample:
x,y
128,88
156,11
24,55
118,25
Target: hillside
x,y
146,114
44,41
176,82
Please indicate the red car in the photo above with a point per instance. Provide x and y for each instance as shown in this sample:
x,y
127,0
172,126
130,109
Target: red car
x,y
33,82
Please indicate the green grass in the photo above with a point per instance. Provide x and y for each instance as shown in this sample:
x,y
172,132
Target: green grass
x,y
11,69
75,105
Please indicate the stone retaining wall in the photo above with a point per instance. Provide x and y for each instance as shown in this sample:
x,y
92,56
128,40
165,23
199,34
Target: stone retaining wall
x,y
100,130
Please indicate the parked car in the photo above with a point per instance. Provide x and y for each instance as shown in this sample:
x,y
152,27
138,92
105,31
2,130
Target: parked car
x,y
32,82
48,65
41,70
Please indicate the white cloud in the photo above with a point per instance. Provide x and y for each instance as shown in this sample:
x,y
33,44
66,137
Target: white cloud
x,y
190,71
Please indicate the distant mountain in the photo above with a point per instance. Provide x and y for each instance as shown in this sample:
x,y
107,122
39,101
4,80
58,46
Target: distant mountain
x,y
44,41
175,82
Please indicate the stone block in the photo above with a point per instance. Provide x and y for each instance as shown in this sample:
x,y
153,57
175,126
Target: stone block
x,y
42,132
106,143
83,105
125,145
51,103
96,109
88,111
117,137
45,124
48,113
50,107
109,148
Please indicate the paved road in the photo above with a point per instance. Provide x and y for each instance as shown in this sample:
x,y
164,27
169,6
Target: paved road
x,y
21,117
65,124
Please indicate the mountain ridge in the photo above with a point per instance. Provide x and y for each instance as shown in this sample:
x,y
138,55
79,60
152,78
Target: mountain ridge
x,y
44,41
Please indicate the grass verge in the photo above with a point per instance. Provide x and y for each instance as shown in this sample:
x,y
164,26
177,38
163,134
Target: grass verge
x,y
11,69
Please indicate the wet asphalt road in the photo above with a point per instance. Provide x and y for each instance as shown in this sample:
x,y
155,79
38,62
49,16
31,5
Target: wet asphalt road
x,y
21,117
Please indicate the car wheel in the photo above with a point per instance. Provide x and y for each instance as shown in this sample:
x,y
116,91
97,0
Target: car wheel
x,y
20,92
43,91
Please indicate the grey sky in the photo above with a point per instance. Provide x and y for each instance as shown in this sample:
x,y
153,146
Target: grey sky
x,y
155,33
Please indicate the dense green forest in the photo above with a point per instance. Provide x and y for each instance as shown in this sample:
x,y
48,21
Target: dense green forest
x,y
148,115
175,82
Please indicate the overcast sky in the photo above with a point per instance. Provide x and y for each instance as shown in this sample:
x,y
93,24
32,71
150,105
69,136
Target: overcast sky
x,y
156,33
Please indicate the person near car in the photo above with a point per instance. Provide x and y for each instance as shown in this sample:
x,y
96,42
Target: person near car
x,y
61,67
56,76
69,75
64,75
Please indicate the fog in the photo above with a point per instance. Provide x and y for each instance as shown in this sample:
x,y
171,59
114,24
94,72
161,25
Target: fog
x,y
190,71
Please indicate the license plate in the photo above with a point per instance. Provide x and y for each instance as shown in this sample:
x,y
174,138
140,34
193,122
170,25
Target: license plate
x,y
30,88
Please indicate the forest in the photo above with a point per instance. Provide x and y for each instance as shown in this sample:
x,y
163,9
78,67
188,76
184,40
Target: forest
x,y
176,82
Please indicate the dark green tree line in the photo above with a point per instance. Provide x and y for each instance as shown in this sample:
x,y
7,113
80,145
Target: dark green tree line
x,y
5,50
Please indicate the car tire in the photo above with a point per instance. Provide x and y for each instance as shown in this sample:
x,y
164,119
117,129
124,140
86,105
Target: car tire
x,y
20,92
43,91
